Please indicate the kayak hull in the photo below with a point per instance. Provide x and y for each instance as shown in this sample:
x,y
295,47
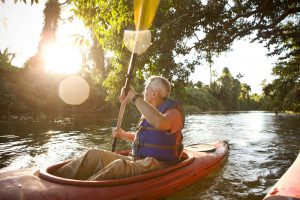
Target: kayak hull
x,y
288,186
40,184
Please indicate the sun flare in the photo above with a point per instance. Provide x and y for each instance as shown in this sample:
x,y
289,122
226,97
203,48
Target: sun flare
x,y
62,58
74,90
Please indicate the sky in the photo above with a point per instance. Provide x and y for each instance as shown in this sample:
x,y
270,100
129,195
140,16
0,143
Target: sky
x,y
248,59
21,25
20,28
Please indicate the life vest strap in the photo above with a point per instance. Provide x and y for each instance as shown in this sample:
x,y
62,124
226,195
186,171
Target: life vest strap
x,y
139,144
145,128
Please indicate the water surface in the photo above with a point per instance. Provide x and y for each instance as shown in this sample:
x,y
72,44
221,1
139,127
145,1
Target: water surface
x,y
262,147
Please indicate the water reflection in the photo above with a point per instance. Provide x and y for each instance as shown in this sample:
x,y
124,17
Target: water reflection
x,y
262,147
30,144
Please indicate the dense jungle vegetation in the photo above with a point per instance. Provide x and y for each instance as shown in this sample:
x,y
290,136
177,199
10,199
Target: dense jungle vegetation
x,y
211,25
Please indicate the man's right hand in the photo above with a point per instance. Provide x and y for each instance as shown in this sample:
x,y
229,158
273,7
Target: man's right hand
x,y
118,133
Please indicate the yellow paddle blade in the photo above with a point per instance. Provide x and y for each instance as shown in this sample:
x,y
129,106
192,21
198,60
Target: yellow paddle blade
x,y
144,12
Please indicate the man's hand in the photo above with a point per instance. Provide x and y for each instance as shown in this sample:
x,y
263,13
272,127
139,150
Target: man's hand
x,y
117,132
120,133
130,95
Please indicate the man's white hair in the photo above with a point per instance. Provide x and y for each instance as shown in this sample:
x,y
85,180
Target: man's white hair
x,y
160,84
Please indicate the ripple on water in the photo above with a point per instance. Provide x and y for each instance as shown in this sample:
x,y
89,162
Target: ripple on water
x,y
262,147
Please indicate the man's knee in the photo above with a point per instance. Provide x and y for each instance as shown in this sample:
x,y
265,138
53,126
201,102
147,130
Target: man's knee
x,y
93,152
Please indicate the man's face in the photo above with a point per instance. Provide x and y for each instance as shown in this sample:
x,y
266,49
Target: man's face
x,y
149,93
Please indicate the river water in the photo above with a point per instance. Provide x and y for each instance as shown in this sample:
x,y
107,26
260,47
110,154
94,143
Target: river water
x,y
262,147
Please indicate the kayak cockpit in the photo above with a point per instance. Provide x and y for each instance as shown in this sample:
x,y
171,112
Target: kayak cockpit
x,y
47,174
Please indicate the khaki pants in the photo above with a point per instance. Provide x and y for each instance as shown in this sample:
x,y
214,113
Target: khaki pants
x,y
98,164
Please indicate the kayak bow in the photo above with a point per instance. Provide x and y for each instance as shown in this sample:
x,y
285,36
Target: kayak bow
x,y
288,186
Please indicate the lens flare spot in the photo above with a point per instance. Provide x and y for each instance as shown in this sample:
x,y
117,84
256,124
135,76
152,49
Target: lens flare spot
x,y
74,90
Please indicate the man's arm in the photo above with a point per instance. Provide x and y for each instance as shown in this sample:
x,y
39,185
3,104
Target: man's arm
x,y
152,115
124,135
176,118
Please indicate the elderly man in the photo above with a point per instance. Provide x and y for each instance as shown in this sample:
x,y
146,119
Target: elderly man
x,y
156,143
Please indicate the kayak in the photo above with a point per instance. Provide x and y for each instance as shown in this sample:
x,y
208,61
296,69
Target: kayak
x,y
288,186
197,161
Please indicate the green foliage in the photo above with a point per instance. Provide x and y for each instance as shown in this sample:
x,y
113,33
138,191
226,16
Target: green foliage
x,y
5,59
29,92
191,29
109,19
245,91
253,103
284,91
186,32
202,99
229,90
248,101
8,101
115,77
227,93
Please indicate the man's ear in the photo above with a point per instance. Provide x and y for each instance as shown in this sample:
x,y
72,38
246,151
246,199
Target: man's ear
x,y
155,94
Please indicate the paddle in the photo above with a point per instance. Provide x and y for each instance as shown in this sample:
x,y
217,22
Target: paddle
x,y
144,12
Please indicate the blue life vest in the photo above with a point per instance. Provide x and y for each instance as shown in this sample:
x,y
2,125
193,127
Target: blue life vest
x,y
160,144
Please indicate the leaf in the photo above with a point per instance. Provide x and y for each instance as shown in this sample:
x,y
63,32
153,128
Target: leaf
x,y
87,43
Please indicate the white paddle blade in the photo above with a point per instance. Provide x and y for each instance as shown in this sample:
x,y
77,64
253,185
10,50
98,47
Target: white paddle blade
x,y
137,41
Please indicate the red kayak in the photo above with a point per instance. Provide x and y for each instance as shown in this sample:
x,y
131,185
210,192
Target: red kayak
x,y
197,161
288,186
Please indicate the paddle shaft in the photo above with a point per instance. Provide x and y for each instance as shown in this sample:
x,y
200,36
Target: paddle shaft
x,y
144,11
127,87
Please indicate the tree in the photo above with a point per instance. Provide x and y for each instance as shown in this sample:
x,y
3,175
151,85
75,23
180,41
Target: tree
x,y
230,90
183,32
199,84
97,55
191,27
285,89
52,15
245,91
6,58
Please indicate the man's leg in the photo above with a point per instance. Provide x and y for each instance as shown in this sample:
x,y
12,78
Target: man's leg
x,y
121,168
87,164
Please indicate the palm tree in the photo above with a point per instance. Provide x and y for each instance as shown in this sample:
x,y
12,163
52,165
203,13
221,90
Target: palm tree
x,y
6,58
52,13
